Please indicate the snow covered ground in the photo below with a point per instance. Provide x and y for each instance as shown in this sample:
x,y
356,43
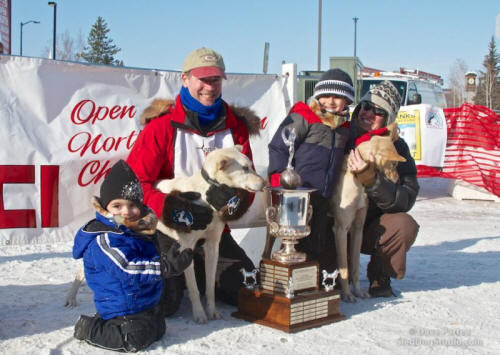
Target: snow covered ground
x,y
448,303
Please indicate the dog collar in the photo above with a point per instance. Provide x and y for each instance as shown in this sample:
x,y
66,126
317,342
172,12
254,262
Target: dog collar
x,y
367,136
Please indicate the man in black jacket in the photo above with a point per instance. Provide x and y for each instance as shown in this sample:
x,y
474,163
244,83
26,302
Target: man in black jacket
x,y
389,231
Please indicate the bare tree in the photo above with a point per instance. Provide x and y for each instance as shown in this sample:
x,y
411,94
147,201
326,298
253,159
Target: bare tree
x,y
456,82
68,48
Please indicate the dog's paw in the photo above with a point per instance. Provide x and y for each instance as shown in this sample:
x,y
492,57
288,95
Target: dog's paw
x,y
199,316
348,297
214,314
362,294
358,292
70,302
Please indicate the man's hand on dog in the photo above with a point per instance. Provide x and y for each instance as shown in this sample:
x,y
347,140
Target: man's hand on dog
x,y
222,195
364,171
180,212
174,263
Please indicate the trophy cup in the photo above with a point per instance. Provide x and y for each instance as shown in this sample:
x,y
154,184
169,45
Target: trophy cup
x,y
289,297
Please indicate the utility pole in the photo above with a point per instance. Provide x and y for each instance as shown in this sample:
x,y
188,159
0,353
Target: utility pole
x,y
266,57
319,35
54,5
355,61
355,33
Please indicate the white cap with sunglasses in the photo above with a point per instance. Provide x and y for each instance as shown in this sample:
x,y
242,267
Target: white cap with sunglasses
x,y
385,96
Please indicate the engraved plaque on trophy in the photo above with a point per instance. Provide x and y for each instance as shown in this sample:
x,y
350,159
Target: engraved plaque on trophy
x,y
289,297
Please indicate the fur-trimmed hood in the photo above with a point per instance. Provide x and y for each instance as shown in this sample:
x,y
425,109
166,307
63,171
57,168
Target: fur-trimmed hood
x,y
145,225
159,107
327,118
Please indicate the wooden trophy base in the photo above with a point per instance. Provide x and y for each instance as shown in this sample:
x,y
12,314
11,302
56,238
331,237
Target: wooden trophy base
x,y
275,276
305,310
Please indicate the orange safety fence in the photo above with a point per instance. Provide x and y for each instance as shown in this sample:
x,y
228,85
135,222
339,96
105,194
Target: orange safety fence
x,y
472,148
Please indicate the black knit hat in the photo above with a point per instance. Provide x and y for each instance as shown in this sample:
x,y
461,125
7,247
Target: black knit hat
x,y
335,82
121,182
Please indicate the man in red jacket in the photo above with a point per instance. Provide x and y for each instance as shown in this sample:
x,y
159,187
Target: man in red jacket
x,y
174,142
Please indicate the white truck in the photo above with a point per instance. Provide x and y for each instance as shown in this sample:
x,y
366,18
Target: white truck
x,y
414,89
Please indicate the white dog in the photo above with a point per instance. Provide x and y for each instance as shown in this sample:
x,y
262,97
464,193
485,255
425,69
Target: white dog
x,y
349,205
223,166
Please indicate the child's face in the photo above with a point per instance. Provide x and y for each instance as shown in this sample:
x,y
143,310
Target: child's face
x,y
333,103
124,208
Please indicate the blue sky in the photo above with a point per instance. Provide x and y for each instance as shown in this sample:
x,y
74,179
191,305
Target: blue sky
x,y
424,34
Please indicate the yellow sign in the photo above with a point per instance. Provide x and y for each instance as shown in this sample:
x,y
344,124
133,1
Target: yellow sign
x,y
409,129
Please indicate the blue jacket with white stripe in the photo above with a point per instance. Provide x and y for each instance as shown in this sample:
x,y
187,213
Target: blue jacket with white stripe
x,y
122,267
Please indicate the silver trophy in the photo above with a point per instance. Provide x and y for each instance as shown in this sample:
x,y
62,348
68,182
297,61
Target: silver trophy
x,y
289,210
288,296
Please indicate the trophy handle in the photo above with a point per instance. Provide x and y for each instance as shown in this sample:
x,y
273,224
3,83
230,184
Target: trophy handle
x,y
271,215
288,135
309,213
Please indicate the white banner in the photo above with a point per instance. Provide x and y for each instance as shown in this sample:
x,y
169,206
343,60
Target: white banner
x,y
423,127
63,124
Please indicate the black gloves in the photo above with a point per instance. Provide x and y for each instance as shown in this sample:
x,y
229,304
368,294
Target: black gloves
x,y
174,263
181,213
222,195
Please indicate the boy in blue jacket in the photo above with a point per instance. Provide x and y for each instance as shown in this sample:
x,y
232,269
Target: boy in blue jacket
x,y
124,267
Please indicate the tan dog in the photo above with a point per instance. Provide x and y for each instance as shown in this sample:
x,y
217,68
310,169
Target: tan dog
x,y
225,166
349,205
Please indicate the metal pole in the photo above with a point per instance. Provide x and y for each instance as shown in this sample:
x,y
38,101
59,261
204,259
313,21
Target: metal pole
x,y
266,57
355,33
21,42
355,61
319,34
54,4
21,34
54,38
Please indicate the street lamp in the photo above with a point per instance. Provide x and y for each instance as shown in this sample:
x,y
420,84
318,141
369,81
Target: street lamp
x,y
54,5
21,42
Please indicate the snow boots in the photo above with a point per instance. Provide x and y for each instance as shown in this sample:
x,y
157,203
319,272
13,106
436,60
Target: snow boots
x,y
82,327
380,283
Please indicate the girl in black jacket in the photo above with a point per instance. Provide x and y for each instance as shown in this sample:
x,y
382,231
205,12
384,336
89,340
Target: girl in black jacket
x,y
389,231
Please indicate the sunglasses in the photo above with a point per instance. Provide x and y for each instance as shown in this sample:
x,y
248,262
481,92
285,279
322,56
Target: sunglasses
x,y
368,106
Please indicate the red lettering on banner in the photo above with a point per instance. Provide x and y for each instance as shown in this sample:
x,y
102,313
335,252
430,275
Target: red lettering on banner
x,y
114,112
16,174
83,141
100,114
93,172
86,111
263,123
